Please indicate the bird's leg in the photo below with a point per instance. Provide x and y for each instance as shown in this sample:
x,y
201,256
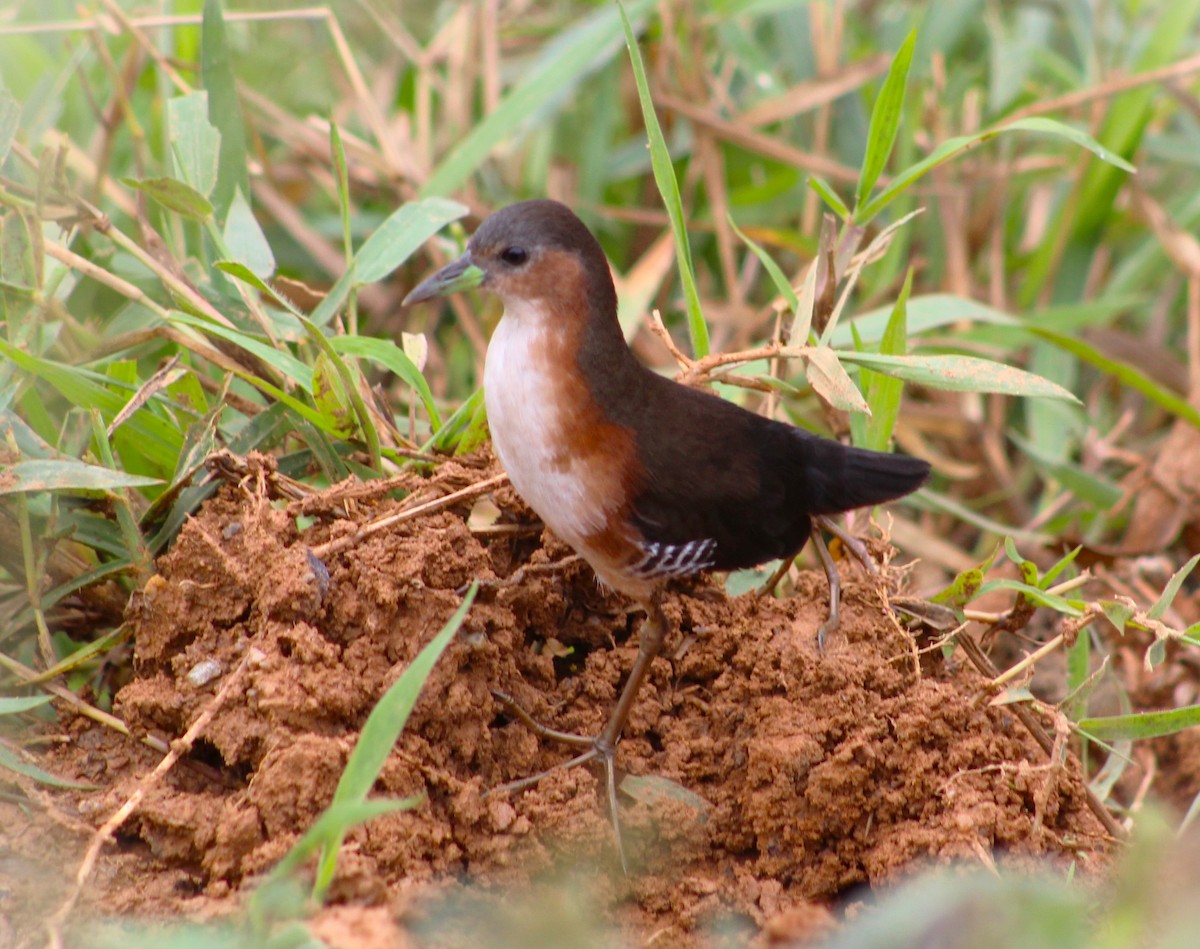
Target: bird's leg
x,y
853,544
602,747
835,587
773,581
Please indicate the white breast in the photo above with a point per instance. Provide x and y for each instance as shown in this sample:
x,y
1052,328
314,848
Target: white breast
x,y
529,410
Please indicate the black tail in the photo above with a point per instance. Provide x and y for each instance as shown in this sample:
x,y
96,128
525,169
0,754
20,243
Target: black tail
x,y
840,478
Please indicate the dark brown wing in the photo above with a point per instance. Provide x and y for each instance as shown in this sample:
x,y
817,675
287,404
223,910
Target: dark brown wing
x,y
750,486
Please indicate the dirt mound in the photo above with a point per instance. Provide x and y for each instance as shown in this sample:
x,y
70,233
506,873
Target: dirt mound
x,y
818,773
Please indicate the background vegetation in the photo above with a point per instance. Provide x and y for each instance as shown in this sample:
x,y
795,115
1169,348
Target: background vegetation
x,y
207,224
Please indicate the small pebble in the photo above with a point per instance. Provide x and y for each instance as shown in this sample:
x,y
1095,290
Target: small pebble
x,y
320,574
204,672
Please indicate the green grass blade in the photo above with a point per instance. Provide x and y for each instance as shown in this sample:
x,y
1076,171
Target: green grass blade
x,y
782,286
398,237
287,364
885,120
1124,373
1141,725
825,191
16,704
392,243
668,187
961,374
568,60
953,147
1172,589
349,387
26,477
10,762
342,176
1128,117
925,312
1071,134
884,392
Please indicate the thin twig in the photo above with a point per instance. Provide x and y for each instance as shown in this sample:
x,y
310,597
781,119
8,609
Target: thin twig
x,y
1034,727
341,543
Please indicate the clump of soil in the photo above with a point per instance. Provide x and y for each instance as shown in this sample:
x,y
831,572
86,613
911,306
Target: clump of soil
x,y
817,773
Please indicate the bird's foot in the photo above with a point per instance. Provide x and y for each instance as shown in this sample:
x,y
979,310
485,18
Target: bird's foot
x,y
593,749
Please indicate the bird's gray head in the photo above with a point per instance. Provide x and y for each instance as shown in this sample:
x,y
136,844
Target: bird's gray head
x,y
533,250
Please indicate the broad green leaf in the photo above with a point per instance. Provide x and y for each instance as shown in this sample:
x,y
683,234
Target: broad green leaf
x,y
391,357
195,143
18,267
244,239
668,187
174,195
829,379
329,396
27,477
885,120
961,374
224,108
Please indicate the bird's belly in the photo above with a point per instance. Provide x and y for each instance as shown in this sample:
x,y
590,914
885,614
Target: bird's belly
x,y
533,419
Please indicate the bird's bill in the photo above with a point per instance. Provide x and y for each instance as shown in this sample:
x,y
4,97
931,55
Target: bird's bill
x,y
462,274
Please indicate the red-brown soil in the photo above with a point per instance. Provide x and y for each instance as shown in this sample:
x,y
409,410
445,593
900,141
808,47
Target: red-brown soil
x,y
822,773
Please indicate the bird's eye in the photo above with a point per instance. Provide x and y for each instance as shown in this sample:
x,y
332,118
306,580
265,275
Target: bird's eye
x,y
514,256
